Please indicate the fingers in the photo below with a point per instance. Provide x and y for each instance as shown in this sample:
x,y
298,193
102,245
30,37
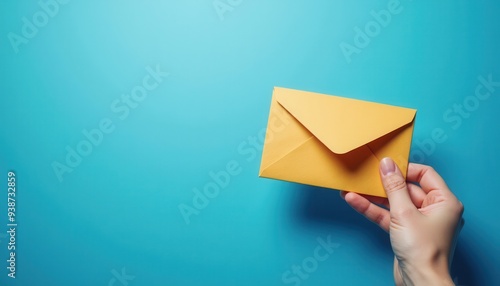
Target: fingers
x,y
402,198
426,176
374,213
395,187
373,199
417,195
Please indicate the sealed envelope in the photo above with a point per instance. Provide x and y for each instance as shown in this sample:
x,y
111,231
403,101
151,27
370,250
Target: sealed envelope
x,y
334,142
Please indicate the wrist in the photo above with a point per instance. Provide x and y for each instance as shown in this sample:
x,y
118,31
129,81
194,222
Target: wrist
x,y
426,277
434,272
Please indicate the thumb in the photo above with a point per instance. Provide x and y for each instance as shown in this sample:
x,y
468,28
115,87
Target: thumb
x,y
395,187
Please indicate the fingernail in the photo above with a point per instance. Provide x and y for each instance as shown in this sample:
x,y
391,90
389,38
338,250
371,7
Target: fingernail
x,y
387,166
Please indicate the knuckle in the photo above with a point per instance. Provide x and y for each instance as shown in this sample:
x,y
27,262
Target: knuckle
x,y
427,170
394,183
379,219
460,207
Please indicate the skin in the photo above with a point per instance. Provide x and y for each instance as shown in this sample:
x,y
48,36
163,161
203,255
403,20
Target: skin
x,y
422,217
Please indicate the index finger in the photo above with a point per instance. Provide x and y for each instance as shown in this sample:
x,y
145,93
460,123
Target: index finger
x,y
426,177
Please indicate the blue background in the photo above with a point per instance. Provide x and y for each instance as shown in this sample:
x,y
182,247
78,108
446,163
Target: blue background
x,y
119,208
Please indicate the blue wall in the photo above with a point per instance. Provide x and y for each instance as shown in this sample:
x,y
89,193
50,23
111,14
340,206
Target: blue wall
x,y
172,93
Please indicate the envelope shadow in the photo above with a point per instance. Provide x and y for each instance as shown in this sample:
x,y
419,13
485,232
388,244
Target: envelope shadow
x,y
315,205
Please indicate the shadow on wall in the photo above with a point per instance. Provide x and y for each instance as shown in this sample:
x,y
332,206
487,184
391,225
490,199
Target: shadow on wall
x,y
314,205
466,269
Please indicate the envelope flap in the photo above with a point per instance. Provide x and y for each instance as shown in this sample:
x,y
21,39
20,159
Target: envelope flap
x,y
342,124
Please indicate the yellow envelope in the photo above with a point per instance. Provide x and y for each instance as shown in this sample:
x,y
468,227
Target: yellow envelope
x,y
334,142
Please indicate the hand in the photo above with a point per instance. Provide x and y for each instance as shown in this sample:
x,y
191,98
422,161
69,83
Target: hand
x,y
423,219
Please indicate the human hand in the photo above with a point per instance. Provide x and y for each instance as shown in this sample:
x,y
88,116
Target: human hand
x,y
423,219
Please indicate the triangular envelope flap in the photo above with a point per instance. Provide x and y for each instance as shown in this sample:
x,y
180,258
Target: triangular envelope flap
x,y
342,124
